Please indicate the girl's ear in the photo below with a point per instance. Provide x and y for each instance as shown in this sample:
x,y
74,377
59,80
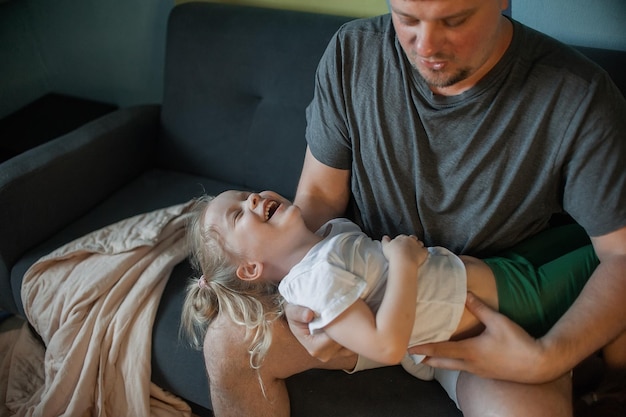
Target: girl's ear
x,y
249,271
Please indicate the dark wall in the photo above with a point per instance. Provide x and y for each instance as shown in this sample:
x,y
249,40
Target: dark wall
x,y
104,50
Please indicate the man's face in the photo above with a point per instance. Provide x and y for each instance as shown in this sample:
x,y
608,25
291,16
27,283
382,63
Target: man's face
x,y
452,43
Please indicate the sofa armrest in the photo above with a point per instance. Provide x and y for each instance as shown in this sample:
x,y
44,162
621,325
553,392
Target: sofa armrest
x,y
48,187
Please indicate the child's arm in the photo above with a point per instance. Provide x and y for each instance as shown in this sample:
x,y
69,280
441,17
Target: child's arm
x,y
385,337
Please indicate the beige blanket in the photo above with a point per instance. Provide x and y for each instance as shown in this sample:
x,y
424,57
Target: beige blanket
x,y
93,301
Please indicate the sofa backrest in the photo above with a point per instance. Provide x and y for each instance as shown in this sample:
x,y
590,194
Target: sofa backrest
x,y
237,83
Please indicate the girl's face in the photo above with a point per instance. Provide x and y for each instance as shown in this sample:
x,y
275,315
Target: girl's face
x,y
262,227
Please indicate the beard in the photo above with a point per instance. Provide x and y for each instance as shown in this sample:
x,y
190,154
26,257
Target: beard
x,y
443,79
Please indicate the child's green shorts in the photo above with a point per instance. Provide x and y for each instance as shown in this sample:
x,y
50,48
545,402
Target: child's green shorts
x,y
539,279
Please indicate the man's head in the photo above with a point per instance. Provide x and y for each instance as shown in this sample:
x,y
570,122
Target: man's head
x,y
452,43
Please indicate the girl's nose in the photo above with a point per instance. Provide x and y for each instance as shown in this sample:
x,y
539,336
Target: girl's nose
x,y
253,200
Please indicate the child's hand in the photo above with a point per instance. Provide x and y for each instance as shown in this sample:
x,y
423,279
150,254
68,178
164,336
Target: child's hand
x,y
404,248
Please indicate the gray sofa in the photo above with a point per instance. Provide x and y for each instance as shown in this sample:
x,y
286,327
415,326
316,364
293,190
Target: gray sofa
x,y
237,81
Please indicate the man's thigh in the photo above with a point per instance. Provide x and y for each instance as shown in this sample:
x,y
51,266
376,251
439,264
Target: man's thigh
x,y
479,397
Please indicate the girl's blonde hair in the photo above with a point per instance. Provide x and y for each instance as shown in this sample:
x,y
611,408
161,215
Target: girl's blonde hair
x,y
253,304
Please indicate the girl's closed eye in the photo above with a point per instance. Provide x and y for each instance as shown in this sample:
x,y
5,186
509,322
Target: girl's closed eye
x,y
237,216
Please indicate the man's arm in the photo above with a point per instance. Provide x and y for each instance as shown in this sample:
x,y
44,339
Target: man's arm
x,y
598,316
505,351
323,192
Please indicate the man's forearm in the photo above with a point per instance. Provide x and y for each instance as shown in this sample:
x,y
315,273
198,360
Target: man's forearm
x,y
596,318
505,351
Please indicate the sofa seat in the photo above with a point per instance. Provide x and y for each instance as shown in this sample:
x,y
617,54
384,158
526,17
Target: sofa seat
x,y
175,366
178,368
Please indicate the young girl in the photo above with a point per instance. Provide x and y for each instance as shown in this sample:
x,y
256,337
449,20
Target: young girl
x,y
375,298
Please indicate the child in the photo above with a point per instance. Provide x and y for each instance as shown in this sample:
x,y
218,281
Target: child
x,y
374,298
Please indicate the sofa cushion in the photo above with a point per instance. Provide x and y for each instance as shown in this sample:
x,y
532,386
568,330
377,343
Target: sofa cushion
x,y
389,391
179,369
151,190
175,366
240,79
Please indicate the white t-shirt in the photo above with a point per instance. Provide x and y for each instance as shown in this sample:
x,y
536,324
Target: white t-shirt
x,y
348,265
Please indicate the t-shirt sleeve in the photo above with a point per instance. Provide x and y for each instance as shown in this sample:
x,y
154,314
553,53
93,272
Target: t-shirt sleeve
x,y
328,290
595,186
327,132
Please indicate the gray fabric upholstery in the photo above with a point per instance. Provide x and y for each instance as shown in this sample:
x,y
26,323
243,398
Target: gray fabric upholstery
x,y
237,81
246,78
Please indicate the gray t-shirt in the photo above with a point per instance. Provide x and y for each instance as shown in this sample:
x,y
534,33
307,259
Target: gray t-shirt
x,y
543,132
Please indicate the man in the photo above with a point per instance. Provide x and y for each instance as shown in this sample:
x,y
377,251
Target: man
x,y
458,125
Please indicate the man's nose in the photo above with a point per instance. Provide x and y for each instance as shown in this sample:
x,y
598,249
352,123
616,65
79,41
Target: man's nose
x,y
429,39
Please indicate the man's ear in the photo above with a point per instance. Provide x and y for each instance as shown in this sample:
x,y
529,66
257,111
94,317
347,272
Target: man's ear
x,y
249,271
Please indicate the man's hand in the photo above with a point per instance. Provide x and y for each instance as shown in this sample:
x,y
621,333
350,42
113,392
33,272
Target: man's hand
x,y
502,351
319,345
